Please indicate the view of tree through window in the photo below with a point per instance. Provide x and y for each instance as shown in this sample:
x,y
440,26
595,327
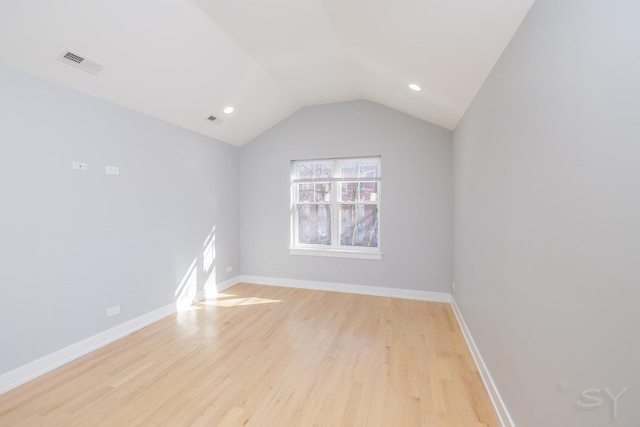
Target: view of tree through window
x,y
336,203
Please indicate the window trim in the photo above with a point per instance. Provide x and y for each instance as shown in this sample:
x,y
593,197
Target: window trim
x,y
335,249
336,253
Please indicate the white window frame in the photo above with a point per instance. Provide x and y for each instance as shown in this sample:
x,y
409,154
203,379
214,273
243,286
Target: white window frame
x,y
335,249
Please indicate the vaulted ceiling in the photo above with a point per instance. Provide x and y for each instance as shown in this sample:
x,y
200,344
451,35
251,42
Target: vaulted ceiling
x,y
185,60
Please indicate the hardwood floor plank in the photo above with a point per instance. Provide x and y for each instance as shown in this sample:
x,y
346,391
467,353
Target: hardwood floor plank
x,y
259,355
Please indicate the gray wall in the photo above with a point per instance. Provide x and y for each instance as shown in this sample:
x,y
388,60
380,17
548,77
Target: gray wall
x,y
74,243
416,196
547,215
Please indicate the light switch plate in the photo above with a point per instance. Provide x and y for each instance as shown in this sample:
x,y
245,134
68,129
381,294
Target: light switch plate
x,y
112,170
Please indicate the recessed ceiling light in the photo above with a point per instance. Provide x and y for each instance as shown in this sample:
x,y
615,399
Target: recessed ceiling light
x,y
228,110
415,87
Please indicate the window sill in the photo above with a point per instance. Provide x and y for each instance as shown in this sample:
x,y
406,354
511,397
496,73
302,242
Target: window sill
x,y
337,253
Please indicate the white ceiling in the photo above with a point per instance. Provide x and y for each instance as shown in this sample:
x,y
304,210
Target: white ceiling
x,y
184,60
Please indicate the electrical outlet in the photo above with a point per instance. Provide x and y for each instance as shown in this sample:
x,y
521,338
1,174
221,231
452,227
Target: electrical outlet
x,y
112,311
453,286
79,166
229,269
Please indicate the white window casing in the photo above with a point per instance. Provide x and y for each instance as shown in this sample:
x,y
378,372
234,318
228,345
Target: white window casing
x,y
335,207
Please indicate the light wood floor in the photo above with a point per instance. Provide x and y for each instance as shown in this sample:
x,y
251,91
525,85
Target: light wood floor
x,y
268,356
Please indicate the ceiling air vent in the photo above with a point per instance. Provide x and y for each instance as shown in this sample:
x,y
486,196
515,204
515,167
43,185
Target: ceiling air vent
x,y
80,61
215,120
73,57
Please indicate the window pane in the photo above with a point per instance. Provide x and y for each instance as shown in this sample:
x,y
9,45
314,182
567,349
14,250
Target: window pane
x,y
314,224
305,192
360,168
366,191
314,192
312,169
359,225
323,192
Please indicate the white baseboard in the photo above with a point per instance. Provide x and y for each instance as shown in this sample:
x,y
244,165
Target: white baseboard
x,y
351,289
494,394
58,358
21,375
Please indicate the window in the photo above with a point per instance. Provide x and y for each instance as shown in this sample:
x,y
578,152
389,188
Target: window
x,y
335,207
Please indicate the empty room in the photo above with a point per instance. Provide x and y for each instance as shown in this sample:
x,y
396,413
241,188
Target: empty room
x,y
320,213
